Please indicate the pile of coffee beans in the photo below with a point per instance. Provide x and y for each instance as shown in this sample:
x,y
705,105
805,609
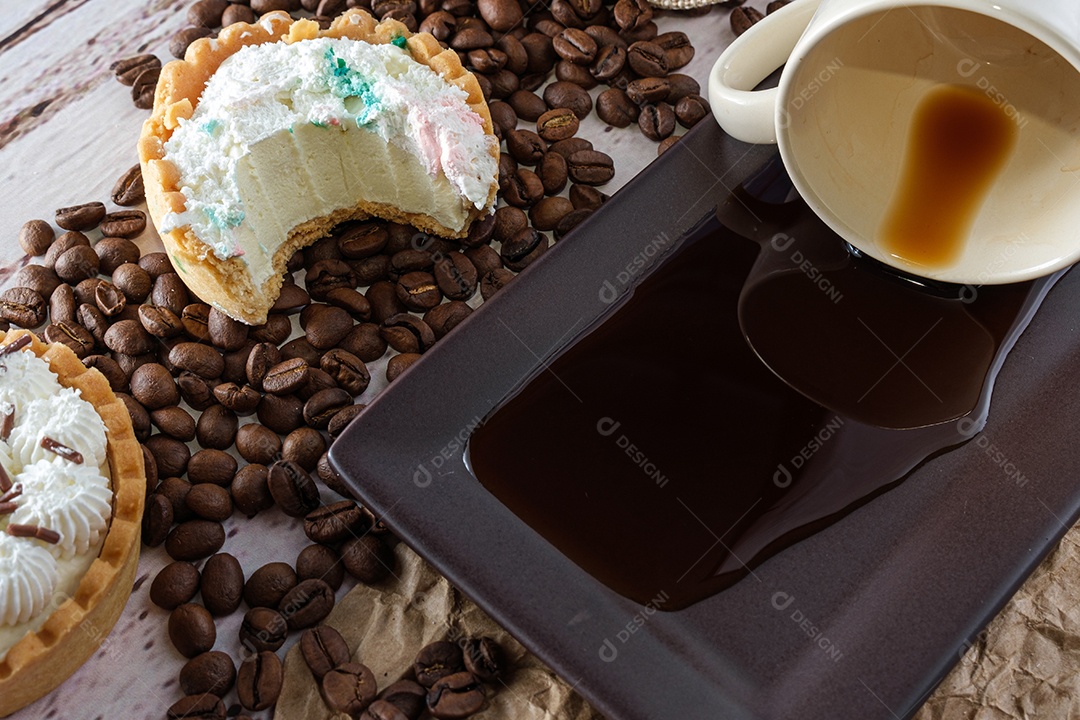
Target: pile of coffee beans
x,y
237,419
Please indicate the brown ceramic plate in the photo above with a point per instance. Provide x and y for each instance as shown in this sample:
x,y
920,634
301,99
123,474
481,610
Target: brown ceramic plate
x,y
861,619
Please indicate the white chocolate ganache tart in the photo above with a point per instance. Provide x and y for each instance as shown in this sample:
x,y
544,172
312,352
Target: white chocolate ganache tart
x,y
72,487
265,138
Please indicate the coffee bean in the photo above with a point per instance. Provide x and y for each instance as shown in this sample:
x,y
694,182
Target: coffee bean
x,y
349,688
743,18
303,446
129,189
775,5
174,585
568,95
643,33
569,222
609,62
80,217
176,489
225,332
275,330
35,237
144,87
411,260
323,405
631,14
113,252
280,413
263,357
456,696
553,172
169,291
195,318
590,167
211,466
180,41
678,50
647,59
540,53
307,604
286,377
525,105
384,301
206,13
494,281
196,391
407,696
332,524
210,502
446,317
191,629
75,336
500,15
320,561
197,707
151,384
648,90
323,649
156,264
290,299
522,189
525,146
399,364
203,360
329,326
408,334
123,223
575,46
128,363
367,558
62,244
210,673
110,369
259,680
194,540
249,490
269,584
351,301
133,281
440,24
157,520
438,660
557,124
691,110
257,443
483,658
129,68
657,121
325,275
263,630
77,264
471,38
347,370
507,167
546,214
292,488
175,422
222,582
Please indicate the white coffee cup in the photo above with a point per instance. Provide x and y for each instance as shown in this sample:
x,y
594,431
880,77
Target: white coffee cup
x,y
856,72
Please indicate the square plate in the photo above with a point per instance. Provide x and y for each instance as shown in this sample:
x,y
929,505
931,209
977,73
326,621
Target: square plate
x,y
862,619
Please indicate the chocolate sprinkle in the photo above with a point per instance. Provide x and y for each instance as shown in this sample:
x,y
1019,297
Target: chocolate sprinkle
x,y
6,508
5,481
15,345
44,534
12,493
7,423
62,450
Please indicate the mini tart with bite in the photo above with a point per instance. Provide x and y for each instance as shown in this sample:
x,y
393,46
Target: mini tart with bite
x,y
265,138
72,487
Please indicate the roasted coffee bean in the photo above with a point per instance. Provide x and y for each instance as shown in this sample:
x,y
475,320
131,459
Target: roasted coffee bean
x,y
325,275
347,370
399,364
200,359
211,673
503,117
351,301
557,124
163,323
129,189
275,330
632,14
263,630
249,490
174,585
570,221
691,110
470,38
647,59
35,237
407,333
75,336
349,688
291,298
494,281
257,444
303,446
176,489
384,301
77,264
196,391
133,281
206,13
123,223
280,413
149,466
418,291
325,248
606,36
523,248
525,146
264,356
320,561
574,45
407,696
191,629
269,584
286,377
367,558
436,661
197,707
411,260
333,8
323,649
307,604
553,173
743,18
357,240
210,502
456,696
129,68
644,33
487,60
322,406
483,658
259,680
446,317
80,217
680,86
225,332
507,167
140,419
341,419
332,524
109,368
522,189
568,95
329,327
365,342
211,466
546,214
580,75
300,348
526,105
610,61
144,87
648,90
371,270
331,478
169,291
615,107
156,264
456,276
151,384
440,24
180,41
196,321
194,540
128,363
500,15
62,244
175,422
222,582
539,52
775,5
590,167
678,49
292,488
157,520
113,252
657,121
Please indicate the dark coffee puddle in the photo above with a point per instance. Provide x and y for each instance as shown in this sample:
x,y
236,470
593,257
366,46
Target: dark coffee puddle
x,y
757,386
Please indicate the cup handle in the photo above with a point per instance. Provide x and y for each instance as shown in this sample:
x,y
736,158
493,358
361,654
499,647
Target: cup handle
x,y
744,113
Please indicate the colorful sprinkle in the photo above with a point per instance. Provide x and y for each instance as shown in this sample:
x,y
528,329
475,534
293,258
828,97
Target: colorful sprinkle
x,y
400,41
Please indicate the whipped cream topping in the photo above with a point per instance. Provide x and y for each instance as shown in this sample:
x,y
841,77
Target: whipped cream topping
x,y
73,500
28,579
64,417
24,377
335,84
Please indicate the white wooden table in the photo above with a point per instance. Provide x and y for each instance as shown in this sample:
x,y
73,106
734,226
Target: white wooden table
x,y
67,132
